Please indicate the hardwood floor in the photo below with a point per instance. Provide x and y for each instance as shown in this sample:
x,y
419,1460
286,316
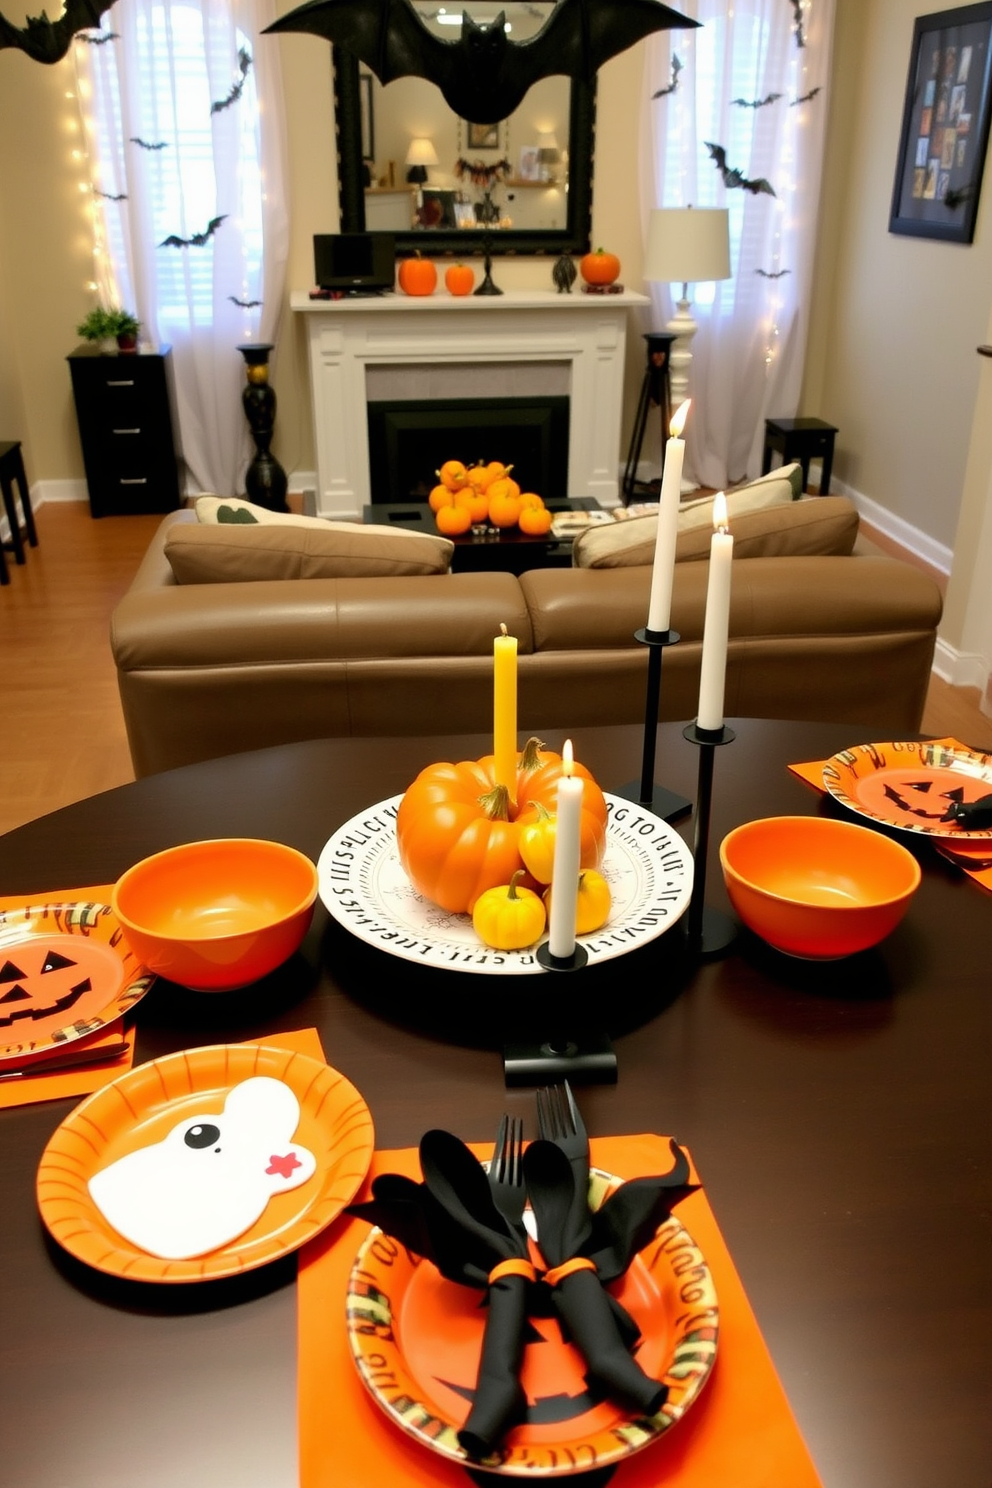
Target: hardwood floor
x,y
62,732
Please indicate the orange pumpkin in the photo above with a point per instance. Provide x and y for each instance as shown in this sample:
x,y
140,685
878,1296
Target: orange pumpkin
x,y
494,471
452,474
600,267
459,279
535,520
458,834
530,498
477,503
504,505
454,519
417,276
440,496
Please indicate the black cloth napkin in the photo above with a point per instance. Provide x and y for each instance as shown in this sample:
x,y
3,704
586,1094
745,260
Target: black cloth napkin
x,y
451,1219
609,1239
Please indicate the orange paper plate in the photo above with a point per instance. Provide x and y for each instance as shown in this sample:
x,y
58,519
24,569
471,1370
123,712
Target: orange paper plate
x,y
911,786
417,1339
143,1105
65,973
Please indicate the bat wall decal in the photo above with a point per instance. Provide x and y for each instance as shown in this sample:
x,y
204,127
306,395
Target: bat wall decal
x,y
758,102
197,240
677,66
773,274
236,89
735,178
244,304
483,75
48,41
147,144
797,22
805,97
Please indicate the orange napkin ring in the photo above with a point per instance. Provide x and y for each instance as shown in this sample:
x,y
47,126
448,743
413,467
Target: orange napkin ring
x,y
568,1268
515,1266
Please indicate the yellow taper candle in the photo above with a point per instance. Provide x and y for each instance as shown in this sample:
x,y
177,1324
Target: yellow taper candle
x,y
505,710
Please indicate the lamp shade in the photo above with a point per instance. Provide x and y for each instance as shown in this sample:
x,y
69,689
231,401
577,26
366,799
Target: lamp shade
x,y
688,245
421,152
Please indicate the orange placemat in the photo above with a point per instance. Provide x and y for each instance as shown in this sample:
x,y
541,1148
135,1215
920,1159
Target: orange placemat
x,y
739,1434
60,1084
812,773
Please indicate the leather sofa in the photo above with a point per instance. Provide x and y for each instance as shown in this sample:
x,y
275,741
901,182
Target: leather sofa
x,y
213,668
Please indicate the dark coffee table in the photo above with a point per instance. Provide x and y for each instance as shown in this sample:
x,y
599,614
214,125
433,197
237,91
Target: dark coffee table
x,y
510,551
840,1116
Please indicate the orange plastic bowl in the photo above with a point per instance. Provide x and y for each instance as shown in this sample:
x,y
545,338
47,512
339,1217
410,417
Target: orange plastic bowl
x,y
815,887
217,915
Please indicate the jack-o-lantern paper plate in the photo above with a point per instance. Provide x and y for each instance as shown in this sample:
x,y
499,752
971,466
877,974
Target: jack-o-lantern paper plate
x,y
911,786
141,1108
416,1340
66,972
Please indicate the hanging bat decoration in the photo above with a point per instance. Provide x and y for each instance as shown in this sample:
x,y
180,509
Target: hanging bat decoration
x,y
483,75
48,41
673,85
481,174
197,240
757,103
797,22
735,178
101,38
776,274
806,97
244,304
236,89
146,144
109,195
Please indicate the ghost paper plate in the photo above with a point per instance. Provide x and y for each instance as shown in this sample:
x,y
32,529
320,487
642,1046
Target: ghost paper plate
x,y
416,1341
173,1116
66,972
911,786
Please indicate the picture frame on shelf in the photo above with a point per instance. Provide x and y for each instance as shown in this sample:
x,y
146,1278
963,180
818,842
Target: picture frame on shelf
x,y
945,125
529,167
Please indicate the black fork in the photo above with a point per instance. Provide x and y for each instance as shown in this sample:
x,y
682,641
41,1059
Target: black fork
x,y
506,1173
559,1121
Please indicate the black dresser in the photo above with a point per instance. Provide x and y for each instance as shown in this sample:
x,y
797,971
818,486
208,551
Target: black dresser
x,y
128,429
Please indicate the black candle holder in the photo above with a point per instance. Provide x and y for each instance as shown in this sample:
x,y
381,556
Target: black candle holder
x,y
667,804
265,480
710,932
588,1059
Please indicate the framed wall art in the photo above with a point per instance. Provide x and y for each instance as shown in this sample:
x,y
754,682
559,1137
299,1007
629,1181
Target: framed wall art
x,y
945,125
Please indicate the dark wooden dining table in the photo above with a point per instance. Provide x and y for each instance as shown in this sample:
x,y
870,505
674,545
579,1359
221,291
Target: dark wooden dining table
x,y
839,1114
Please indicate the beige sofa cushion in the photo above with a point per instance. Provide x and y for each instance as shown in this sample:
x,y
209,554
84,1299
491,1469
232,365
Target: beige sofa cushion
x,y
236,553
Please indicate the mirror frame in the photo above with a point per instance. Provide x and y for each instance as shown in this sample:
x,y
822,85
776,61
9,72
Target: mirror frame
x,y
575,237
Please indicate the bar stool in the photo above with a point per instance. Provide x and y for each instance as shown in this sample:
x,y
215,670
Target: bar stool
x,y
11,471
802,439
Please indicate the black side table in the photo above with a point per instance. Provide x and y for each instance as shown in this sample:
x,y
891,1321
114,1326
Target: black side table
x,y
802,439
125,407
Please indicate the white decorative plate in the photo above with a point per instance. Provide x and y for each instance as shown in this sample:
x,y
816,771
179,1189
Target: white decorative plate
x,y
361,881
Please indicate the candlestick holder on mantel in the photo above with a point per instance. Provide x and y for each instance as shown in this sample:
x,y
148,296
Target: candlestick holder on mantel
x,y
710,932
667,804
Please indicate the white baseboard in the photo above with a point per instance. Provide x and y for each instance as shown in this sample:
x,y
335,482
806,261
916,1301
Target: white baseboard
x,y
902,532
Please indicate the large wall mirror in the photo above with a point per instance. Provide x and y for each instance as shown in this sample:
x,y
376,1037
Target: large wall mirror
x,y
525,183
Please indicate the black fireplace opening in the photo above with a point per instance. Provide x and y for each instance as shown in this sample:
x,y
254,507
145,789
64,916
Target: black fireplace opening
x,y
409,441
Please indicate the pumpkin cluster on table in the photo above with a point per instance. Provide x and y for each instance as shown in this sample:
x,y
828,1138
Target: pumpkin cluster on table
x,y
471,848
485,494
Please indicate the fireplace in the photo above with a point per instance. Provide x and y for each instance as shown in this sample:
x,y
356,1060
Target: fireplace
x,y
533,345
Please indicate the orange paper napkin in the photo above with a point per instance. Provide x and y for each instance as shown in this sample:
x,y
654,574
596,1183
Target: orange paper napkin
x,y
740,1431
35,1086
812,773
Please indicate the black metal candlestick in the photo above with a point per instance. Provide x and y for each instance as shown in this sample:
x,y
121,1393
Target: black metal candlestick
x,y
265,479
667,804
710,932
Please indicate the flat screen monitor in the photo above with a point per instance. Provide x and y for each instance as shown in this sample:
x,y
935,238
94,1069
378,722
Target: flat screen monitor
x,y
363,263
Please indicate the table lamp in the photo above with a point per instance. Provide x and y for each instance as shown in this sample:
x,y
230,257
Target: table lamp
x,y
420,155
549,157
690,245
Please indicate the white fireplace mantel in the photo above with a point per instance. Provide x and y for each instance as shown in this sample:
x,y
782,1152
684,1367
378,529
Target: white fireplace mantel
x,y
586,333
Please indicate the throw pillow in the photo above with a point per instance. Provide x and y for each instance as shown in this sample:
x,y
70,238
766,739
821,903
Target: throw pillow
x,y
233,511
630,544
236,552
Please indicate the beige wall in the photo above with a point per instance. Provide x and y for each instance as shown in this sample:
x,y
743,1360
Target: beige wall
x,y
892,356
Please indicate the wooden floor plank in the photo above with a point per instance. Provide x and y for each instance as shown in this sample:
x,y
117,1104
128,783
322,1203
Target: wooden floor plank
x,y
62,733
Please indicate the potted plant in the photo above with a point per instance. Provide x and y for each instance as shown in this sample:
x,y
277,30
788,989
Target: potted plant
x,y
119,326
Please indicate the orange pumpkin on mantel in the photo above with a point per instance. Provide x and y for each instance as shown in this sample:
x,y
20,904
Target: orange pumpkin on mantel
x,y
458,834
417,276
459,279
600,267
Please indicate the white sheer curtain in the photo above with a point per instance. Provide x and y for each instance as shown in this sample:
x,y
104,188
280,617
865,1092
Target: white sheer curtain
x,y
748,353
186,140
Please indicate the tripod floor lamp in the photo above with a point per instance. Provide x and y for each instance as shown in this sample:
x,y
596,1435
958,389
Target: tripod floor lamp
x,y
686,245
